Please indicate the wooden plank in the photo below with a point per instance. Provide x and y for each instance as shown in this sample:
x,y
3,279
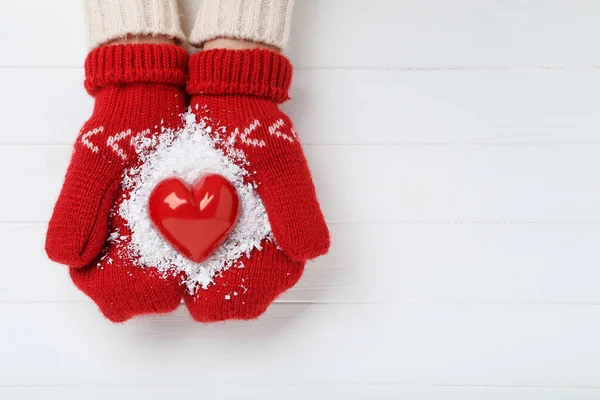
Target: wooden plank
x,y
295,392
424,107
40,33
44,106
386,183
48,106
377,263
413,345
454,145
441,33
374,34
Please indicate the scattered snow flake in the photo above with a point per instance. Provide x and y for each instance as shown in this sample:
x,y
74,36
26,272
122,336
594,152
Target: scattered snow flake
x,y
189,153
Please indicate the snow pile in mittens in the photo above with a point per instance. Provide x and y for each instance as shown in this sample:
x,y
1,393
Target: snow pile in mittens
x,y
189,154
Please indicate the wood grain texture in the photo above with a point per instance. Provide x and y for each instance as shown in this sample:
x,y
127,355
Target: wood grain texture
x,y
414,345
364,34
387,106
383,263
455,148
434,34
386,183
296,392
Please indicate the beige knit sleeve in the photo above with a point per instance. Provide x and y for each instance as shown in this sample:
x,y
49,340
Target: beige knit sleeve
x,y
263,21
113,19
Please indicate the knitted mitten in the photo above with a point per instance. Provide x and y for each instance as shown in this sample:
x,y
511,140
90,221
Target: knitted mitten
x,y
238,92
246,290
138,90
121,287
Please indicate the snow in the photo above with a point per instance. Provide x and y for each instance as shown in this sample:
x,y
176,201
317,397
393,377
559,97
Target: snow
x,y
189,154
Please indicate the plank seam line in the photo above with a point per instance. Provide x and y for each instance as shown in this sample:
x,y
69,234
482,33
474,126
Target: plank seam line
x,y
368,68
359,144
86,303
389,222
315,385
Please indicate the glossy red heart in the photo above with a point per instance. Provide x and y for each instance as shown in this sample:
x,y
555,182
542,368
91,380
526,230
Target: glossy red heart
x,y
195,220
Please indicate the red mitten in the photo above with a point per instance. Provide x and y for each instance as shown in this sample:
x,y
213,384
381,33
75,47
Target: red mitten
x,y
237,93
246,290
241,91
138,89
120,285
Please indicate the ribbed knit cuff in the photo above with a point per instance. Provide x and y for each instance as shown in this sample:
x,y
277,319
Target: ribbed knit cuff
x,y
131,63
261,73
262,21
115,19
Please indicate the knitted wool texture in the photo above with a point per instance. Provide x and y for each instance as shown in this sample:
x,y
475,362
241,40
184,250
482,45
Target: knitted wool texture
x,y
138,89
238,93
261,21
120,287
116,19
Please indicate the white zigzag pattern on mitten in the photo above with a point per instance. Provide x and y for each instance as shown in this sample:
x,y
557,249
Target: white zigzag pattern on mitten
x,y
274,131
85,138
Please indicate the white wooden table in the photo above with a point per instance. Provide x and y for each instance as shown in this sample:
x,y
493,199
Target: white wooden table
x,y
456,149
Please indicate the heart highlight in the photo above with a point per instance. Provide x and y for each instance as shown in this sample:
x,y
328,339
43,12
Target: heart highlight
x,y
196,219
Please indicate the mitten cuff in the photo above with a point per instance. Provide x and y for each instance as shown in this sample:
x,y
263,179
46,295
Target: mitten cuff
x,y
257,72
114,19
263,21
134,63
